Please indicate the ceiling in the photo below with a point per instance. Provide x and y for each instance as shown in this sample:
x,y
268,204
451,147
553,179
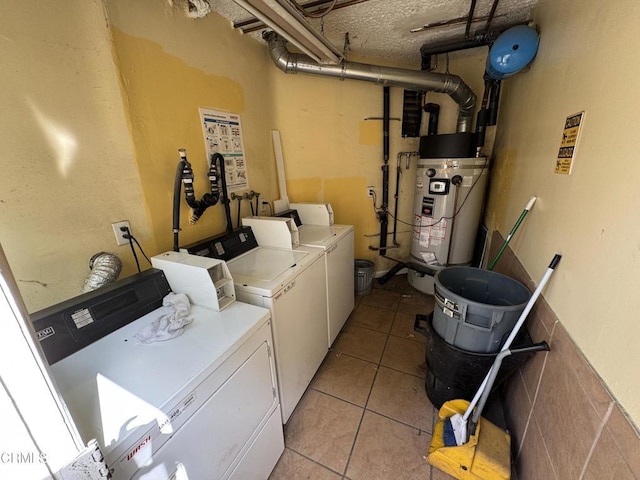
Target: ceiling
x,y
382,28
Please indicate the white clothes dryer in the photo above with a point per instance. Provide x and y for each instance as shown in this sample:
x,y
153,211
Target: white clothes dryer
x,y
201,405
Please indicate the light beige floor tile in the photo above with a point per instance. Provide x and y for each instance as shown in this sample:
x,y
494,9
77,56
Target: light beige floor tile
x,y
440,475
375,318
293,466
382,299
404,355
323,428
402,397
416,304
403,327
345,377
360,342
386,449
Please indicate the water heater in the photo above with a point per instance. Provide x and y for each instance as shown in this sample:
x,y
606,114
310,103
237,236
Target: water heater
x,y
448,205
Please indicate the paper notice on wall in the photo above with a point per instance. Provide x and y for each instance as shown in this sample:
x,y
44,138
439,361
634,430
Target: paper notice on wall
x,y
223,135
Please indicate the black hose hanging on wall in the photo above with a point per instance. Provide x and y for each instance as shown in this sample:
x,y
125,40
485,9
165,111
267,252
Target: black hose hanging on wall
x,y
384,220
225,196
176,203
184,174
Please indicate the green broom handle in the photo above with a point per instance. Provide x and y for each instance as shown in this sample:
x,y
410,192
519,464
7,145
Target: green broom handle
x,y
512,232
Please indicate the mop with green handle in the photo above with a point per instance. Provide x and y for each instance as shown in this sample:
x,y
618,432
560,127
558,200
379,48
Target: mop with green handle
x,y
513,231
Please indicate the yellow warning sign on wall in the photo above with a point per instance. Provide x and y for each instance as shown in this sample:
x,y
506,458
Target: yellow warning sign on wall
x,y
569,143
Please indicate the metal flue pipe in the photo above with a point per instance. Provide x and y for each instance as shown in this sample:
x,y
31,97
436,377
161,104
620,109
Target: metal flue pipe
x,y
452,85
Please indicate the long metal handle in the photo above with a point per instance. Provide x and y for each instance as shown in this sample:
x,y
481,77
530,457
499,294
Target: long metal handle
x,y
516,329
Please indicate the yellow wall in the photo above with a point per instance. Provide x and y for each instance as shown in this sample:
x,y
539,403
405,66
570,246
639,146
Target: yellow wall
x,y
587,61
332,153
94,112
170,66
65,151
127,90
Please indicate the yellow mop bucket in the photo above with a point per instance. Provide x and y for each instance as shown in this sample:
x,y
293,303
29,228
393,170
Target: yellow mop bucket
x,y
486,456
467,446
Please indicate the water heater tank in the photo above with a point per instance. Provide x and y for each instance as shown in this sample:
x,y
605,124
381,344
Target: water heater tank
x,y
448,204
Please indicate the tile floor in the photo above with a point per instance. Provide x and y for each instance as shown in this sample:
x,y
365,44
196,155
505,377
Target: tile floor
x,y
366,415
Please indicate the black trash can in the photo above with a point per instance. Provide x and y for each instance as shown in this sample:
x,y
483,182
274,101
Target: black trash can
x,y
453,373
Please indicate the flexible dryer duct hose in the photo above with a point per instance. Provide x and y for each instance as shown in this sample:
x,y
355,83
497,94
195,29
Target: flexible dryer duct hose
x,y
105,268
388,76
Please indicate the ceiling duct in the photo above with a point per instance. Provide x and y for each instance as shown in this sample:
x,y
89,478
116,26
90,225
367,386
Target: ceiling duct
x,y
452,85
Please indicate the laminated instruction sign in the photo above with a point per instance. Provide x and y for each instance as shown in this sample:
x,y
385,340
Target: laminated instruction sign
x,y
223,135
569,142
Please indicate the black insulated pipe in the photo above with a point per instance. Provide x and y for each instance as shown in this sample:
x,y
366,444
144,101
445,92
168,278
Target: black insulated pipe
x,y
494,102
472,10
483,115
479,39
433,109
384,220
396,197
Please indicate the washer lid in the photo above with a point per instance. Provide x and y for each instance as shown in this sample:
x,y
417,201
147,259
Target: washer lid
x,y
264,264
322,235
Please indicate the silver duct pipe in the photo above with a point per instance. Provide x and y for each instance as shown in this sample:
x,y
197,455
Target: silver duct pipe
x,y
397,77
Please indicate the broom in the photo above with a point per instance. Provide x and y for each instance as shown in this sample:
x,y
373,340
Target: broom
x,y
529,206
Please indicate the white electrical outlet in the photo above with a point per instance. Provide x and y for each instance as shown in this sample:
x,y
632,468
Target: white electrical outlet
x,y
370,191
120,240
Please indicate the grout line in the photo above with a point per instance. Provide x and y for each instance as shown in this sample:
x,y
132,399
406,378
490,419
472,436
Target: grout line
x,y
364,410
526,427
413,427
377,368
406,373
435,417
336,397
312,460
546,450
535,398
535,395
597,439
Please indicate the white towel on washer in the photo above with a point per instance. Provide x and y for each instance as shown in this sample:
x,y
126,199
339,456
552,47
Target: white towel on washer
x,y
169,325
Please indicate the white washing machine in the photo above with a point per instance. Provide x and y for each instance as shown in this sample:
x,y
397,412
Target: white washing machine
x,y
316,229
337,243
201,405
292,284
